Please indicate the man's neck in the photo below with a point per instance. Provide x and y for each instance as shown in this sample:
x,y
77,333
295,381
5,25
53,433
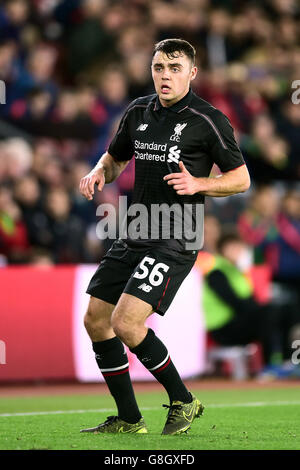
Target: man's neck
x,y
169,103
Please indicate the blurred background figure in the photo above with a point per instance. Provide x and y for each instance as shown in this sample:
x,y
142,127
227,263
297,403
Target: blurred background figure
x,y
257,224
66,242
212,233
27,193
14,243
235,317
266,152
285,262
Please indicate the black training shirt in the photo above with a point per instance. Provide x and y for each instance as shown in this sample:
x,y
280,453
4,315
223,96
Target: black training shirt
x,y
192,131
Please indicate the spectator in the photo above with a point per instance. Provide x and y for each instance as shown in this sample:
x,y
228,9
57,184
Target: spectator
x,y
133,40
267,154
212,232
13,16
113,91
138,72
14,244
216,38
36,106
89,107
289,127
80,206
288,224
18,156
41,258
88,41
67,231
28,196
285,262
8,52
257,225
52,174
232,314
36,72
67,107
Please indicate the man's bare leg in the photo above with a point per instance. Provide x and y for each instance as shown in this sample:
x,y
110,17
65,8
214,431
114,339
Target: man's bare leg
x,y
97,320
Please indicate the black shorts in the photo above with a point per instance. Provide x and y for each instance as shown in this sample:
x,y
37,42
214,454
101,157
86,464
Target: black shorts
x,y
153,275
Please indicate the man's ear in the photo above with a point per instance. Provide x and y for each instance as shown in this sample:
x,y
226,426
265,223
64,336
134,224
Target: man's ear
x,y
194,71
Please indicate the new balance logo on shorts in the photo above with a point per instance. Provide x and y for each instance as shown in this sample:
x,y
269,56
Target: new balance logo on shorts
x,y
145,287
174,154
146,359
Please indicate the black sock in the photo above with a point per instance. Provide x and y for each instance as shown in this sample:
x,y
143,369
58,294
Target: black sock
x,y
113,363
155,357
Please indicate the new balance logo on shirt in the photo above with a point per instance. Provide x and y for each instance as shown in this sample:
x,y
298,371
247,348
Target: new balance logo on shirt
x,y
142,127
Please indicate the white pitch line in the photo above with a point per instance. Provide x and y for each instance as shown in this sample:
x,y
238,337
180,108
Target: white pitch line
x,y
254,404
108,410
65,412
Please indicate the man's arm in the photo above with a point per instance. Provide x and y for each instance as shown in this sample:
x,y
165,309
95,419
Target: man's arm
x,y
106,171
220,285
227,184
224,151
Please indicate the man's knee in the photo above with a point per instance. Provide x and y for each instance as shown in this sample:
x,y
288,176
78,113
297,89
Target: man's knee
x,y
130,330
90,319
120,327
128,319
98,317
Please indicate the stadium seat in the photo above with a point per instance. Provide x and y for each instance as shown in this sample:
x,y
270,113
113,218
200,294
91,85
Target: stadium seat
x,y
240,362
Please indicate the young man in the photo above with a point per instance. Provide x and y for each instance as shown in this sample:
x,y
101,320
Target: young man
x,y
175,137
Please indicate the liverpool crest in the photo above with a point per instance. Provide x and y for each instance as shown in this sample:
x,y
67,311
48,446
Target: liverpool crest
x,y
177,132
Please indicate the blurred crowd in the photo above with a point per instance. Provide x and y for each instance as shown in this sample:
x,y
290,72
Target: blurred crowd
x,y
71,67
268,221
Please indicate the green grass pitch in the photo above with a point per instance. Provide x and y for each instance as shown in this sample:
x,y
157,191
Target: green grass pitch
x,y
233,419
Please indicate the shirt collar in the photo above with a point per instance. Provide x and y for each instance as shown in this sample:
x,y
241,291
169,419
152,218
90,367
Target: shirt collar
x,y
177,107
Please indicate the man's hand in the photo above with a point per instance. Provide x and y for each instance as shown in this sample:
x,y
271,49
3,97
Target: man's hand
x,y
87,183
183,182
229,183
106,171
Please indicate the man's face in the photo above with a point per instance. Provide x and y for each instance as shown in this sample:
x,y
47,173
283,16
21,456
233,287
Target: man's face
x,y
172,77
238,253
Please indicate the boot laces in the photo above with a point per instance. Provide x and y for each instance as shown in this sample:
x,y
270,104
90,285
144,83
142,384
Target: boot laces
x,y
109,420
173,412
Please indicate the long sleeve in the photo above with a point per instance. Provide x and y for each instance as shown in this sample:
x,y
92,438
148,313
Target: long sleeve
x,y
219,284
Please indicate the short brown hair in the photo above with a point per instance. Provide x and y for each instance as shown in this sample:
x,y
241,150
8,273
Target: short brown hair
x,y
171,47
229,237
